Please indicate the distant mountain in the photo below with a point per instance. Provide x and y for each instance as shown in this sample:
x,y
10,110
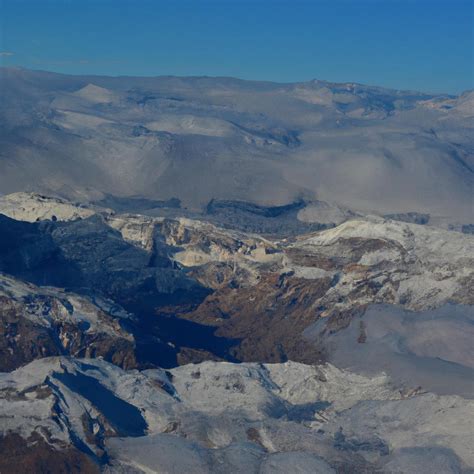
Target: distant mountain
x,y
197,139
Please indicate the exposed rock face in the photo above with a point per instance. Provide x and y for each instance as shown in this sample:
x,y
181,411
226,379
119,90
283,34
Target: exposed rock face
x,y
408,264
197,244
251,297
33,207
139,230
86,253
36,455
334,274
267,318
37,322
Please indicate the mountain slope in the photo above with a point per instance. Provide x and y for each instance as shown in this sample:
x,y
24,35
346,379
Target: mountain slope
x,y
353,341
269,417
199,291
198,139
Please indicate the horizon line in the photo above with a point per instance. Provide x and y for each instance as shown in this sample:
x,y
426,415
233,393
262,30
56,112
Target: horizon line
x,y
262,81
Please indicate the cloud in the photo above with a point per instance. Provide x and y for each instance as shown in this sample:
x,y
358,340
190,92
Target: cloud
x,y
4,54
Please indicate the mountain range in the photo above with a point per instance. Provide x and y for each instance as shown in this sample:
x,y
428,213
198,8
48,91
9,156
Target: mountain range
x,y
195,139
121,330
211,275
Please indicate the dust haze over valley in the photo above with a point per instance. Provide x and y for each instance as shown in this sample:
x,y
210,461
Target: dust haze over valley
x,y
214,275
200,138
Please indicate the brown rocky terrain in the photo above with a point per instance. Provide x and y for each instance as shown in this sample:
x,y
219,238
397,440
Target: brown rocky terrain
x,y
267,319
37,323
200,292
36,455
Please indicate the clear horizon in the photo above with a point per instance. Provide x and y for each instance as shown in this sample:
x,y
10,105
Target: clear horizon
x,y
364,84
408,45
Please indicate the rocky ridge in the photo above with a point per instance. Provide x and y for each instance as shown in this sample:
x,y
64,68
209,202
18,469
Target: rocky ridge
x,y
285,413
359,327
39,322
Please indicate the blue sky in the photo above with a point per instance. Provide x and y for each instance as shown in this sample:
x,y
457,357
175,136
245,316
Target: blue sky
x,y
406,44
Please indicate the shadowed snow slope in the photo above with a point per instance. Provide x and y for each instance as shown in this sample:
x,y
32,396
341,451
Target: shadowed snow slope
x,y
432,349
269,418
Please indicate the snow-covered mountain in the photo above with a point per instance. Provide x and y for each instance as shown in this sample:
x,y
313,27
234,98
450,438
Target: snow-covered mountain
x,y
210,275
269,418
198,139
228,294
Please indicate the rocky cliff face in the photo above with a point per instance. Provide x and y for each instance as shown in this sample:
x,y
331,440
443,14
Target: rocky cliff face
x,y
41,322
245,296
